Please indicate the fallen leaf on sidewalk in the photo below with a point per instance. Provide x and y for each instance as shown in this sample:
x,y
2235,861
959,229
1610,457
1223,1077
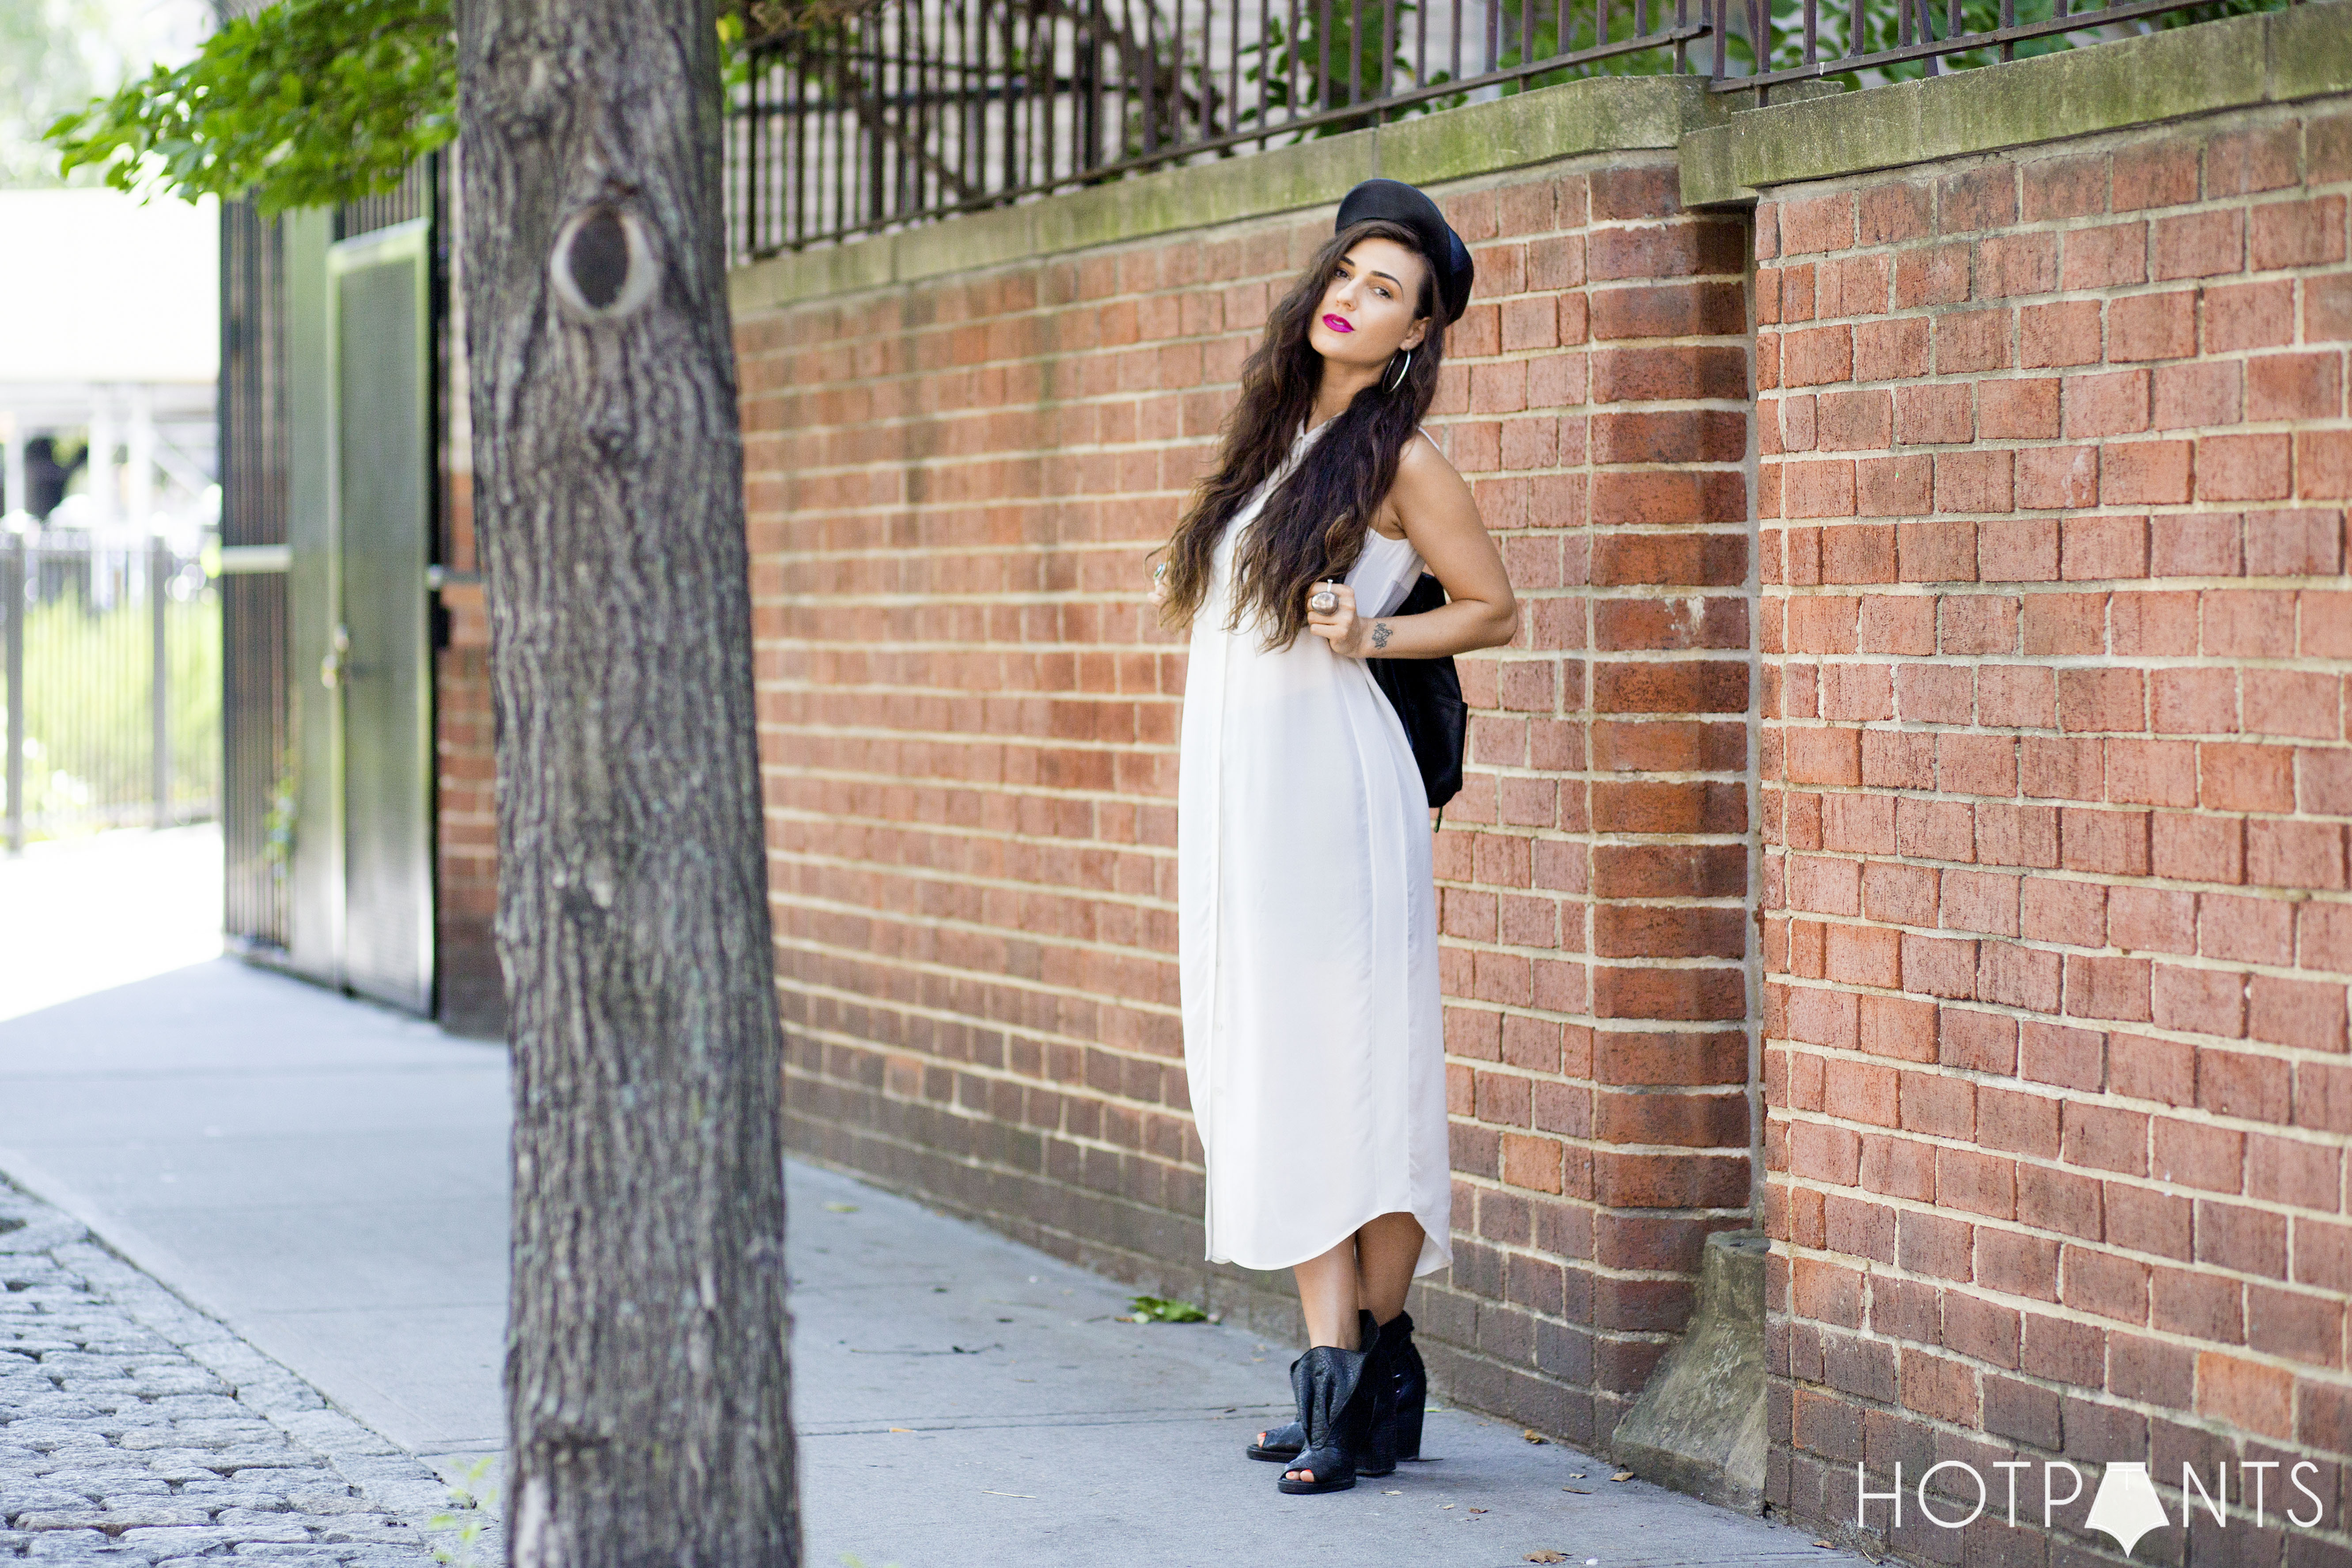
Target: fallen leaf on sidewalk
x,y
1623,1476
1547,1555
1578,1490
1576,1475
1477,1510
1161,1310
842,1208
1532,1435
1831,1544
902,1428
1031,1496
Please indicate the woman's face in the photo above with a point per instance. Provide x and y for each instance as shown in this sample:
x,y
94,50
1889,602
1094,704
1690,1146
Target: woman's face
x,y
1370,308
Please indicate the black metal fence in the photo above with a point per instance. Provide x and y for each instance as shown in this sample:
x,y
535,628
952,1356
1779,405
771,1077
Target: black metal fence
x,y
854,117
256,739
112,685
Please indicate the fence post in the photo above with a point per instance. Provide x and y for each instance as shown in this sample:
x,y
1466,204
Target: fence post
x,y
12,584
159,561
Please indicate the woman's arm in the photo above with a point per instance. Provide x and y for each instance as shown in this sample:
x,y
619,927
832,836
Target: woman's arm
x,y
1441,518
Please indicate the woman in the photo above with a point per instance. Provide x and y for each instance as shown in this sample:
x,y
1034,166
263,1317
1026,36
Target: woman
x,y
1308,917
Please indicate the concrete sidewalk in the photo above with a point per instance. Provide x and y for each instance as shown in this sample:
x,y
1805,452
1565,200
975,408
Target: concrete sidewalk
x,y
963,1399
327,1179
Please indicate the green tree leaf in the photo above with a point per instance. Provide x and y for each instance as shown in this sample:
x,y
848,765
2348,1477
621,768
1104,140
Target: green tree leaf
x,y
303,103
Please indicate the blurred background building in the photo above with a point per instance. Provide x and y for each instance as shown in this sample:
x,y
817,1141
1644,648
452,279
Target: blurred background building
x,y
108,441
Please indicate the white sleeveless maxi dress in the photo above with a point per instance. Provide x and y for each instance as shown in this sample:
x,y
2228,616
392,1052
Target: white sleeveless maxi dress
x,y
1314,1037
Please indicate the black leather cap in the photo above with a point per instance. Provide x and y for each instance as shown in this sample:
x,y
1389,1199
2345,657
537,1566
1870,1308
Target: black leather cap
x,y
1401,204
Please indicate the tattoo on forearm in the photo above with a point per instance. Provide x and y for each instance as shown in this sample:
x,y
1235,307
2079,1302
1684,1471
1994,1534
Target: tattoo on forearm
x,y
1380,634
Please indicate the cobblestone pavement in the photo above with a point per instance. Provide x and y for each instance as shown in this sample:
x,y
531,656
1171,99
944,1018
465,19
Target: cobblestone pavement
x,y
134,1429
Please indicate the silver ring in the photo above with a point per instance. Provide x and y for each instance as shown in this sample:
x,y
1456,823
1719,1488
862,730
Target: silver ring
x,y
1325,601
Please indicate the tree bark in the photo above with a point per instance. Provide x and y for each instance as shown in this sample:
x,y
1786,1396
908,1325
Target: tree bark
x,y
647,1378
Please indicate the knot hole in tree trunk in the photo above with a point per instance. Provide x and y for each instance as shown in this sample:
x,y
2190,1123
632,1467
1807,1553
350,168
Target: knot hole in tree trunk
x,y
603,263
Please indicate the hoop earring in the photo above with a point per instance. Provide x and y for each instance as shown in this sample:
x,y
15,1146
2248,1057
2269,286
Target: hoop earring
x,y
1402,372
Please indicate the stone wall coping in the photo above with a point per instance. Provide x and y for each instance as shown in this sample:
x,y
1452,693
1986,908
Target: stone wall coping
x,y
2240,62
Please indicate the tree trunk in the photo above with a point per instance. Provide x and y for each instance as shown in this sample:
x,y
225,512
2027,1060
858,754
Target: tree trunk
x,y
646,1381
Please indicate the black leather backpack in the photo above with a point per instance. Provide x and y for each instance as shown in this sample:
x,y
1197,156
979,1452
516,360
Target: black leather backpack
x,y
1427,697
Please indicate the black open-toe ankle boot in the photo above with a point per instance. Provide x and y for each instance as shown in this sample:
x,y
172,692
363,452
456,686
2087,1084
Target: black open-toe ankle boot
x,y
1401,1385
1329,1386
1410,1381
1378,1455
1280,1445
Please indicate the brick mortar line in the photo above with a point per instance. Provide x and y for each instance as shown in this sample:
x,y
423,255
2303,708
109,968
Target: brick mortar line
x,y
1090,945
1612,839
952,1105
1044,792
1001,1074
783,816
1636,1090
1032,599
1141,901
2002,375
1600,1027
2208,1424
2046,944
2024,587
1495,1184
1037,791
1051,316
1862,1264
2183,960
1438,423
882,511
2152,881
1047,311
2247,201
1078,359
933,969
1517,831
968,927
885,915
933,1013
2063,1311
2109,217
2268,740
2196,1116
1601,1024
2202,431
2096,878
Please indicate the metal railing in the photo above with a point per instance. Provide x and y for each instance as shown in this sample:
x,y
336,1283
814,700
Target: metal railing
x,y
112,685
257,714
854,116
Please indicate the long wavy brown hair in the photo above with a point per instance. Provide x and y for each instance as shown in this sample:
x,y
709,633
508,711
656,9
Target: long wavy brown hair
x,y
1313,525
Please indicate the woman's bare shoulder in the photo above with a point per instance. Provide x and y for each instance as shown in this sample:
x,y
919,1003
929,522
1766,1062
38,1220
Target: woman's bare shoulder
x,y
1425,451
1425,473
1426,484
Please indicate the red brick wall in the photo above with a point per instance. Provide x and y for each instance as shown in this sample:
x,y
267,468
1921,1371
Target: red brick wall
x,y
2055,787
472,990
969,725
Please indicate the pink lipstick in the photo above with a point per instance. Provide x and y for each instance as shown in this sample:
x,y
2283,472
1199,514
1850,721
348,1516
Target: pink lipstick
x,y
1337,323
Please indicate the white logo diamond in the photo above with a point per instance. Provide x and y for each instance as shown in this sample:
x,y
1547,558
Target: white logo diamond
x,y
2126,1507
